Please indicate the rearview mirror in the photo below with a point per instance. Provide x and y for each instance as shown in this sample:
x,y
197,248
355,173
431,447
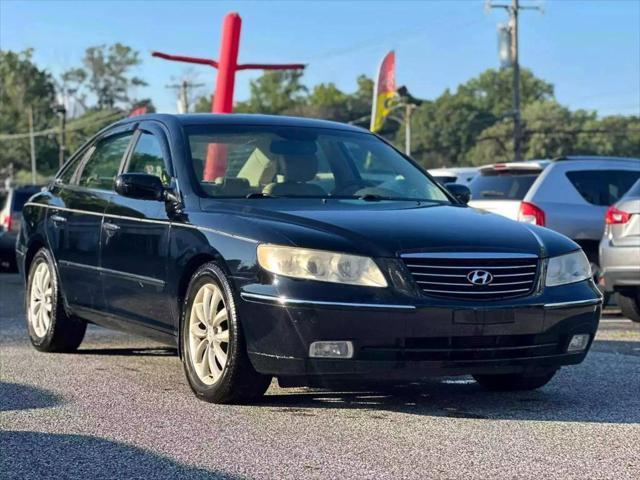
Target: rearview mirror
x,y
140,185
459,191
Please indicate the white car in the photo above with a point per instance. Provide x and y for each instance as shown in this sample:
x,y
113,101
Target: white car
x,y
462,175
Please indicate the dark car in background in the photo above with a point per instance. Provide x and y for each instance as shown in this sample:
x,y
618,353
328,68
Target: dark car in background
x,y
306,250
11,202
620,252
569,195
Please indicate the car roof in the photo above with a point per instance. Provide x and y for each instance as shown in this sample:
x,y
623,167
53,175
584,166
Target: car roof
x,y
243,119
452,170
540,164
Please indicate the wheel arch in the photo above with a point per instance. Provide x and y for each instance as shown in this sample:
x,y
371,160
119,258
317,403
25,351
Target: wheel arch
x,y
190,267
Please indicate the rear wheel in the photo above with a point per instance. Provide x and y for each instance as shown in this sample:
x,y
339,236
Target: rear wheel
x,y
514,382
214,352
50,328
629,303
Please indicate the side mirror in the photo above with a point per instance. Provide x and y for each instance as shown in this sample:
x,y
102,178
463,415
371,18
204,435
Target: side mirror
x,y
140,185
459,191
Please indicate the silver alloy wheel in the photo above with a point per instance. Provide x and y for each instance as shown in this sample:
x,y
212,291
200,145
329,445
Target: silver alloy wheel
x,y
41,301
209,334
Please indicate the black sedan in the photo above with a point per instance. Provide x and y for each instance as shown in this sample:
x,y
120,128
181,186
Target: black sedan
x,y
307,250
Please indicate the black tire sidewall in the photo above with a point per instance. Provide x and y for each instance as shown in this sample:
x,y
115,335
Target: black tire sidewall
x,y
43,343
211,273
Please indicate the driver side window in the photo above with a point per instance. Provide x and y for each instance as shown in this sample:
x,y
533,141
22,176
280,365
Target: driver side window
x,y
147,157
100,169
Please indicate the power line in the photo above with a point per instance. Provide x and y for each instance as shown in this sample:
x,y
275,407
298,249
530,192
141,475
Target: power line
x,y
77,125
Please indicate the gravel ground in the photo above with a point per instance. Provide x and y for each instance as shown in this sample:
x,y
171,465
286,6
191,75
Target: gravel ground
x,y
120,408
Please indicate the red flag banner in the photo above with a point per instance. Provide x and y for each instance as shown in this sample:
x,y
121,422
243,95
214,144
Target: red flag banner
x,y
384,91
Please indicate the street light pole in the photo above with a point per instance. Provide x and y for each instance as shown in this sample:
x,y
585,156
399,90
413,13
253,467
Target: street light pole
x,y
32,145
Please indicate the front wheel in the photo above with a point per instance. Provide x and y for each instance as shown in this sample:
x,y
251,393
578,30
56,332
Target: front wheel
x,y
50,328
214,353
514,382
630,304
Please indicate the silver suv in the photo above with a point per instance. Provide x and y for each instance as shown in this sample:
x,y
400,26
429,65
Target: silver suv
x,y
569,195
620,252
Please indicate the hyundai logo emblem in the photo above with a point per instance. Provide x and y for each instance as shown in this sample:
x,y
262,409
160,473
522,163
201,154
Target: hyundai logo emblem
x,y
480,277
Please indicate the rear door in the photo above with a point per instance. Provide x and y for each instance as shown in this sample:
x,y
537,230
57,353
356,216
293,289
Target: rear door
x,y
74,221
135,241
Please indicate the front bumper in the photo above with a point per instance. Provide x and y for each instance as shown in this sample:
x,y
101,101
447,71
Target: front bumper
x,y
426,338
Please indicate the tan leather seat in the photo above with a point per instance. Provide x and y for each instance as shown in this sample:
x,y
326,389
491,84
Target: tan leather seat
x,y
297,170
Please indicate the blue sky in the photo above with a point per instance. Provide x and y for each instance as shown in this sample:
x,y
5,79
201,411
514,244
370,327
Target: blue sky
x,y
589,49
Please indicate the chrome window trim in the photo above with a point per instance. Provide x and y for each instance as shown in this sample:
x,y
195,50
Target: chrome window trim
x,y
283,301
143,220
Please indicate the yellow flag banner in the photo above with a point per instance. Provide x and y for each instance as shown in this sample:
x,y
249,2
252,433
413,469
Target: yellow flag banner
x,y
384,91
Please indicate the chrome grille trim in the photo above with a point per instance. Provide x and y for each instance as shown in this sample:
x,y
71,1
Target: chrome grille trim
x,y
445,274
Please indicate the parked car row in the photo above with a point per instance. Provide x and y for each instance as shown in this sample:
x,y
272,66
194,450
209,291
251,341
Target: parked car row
x,y
11,202
573,196
620,252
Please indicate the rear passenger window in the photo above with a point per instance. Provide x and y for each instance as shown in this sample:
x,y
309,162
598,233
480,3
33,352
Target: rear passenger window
x,y
148,158
603,187
100,169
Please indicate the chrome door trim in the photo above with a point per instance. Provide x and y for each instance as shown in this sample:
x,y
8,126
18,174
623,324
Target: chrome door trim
x,y
126,275
142,220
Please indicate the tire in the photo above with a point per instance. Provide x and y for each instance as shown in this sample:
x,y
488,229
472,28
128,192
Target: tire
x,y
50,328
214,355
630,304
514,382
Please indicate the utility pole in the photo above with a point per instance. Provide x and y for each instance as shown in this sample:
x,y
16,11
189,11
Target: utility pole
x,y
183,94
62,111
513,10
408,110
32,144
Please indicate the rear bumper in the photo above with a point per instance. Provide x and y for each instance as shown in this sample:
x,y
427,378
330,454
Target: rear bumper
x,y
413,341
7,247
620,266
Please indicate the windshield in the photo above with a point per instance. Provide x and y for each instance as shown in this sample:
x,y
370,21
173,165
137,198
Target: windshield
x,y
501,186
274,161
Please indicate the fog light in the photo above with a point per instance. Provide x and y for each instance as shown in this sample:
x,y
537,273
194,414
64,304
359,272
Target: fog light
x,y
578,342
337,349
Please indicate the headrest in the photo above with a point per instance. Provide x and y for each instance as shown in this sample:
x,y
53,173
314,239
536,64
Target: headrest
x,y
298,168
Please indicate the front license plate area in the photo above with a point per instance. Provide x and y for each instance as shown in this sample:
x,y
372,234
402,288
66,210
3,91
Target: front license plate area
x,y
484,316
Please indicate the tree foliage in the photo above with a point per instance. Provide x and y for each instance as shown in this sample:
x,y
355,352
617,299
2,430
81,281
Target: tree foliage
x,y
23,86
106,74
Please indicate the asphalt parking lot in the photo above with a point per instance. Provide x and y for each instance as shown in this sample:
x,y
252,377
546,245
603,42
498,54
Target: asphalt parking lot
x,y
120,408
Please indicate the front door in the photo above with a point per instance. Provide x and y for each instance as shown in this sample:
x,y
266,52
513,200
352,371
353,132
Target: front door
x,y
135,243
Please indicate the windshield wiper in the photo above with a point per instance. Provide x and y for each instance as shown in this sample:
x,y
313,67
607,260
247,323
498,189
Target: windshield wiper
x,y
259,195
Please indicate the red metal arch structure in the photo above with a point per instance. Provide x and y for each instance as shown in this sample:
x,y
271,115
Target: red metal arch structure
x,y
227,66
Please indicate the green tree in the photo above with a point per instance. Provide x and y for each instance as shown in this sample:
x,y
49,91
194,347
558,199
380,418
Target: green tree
x,y
274,92
106,75
24,86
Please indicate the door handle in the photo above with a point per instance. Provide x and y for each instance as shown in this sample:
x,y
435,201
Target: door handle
x,y
110,227
56,219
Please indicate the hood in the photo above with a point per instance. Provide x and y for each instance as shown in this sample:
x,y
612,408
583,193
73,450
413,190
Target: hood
x,y
388,227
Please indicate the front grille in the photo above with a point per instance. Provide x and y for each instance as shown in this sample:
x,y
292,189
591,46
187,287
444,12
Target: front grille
x,y
449,275
494,347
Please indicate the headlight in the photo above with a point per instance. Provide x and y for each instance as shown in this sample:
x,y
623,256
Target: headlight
x,y
320,265
569,268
